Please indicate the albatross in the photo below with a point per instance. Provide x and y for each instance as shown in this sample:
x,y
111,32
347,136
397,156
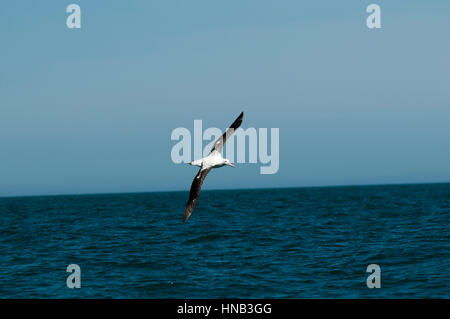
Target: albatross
x,y
213,160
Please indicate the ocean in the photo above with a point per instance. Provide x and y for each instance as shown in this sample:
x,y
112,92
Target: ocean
x,y
256,243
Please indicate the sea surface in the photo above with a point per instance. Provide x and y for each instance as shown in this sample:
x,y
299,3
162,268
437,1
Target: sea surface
x,y
265,243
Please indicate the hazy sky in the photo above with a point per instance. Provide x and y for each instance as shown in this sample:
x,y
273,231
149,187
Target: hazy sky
x,y
92,110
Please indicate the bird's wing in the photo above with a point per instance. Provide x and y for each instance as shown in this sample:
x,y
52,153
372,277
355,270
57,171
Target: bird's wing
x,y
195,191
218,145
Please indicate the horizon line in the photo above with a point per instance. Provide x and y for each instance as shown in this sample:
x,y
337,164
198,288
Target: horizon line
x,y
223,189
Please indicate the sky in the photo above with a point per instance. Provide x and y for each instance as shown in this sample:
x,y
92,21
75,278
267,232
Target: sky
x,y
91,110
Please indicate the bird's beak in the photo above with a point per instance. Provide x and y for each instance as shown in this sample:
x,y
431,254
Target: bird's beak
x,y
229,164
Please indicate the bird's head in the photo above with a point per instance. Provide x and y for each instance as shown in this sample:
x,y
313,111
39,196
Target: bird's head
x,y
227,162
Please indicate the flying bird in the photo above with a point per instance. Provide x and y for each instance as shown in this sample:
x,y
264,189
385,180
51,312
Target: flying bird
x,y
213,160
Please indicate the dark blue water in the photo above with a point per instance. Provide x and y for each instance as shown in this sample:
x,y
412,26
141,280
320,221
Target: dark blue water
x,y
289,243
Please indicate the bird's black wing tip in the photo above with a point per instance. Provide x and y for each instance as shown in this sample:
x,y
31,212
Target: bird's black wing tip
x,y
186,217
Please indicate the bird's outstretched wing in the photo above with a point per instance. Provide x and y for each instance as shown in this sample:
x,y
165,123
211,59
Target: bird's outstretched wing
x,y
218,145
195,192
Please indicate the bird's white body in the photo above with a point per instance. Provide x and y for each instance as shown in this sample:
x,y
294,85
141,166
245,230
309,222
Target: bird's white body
x,y
213,160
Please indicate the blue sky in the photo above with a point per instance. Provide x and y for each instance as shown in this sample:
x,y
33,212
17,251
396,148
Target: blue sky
x,y
92,110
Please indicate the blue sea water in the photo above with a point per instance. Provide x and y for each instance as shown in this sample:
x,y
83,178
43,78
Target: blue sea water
x,y
269,243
